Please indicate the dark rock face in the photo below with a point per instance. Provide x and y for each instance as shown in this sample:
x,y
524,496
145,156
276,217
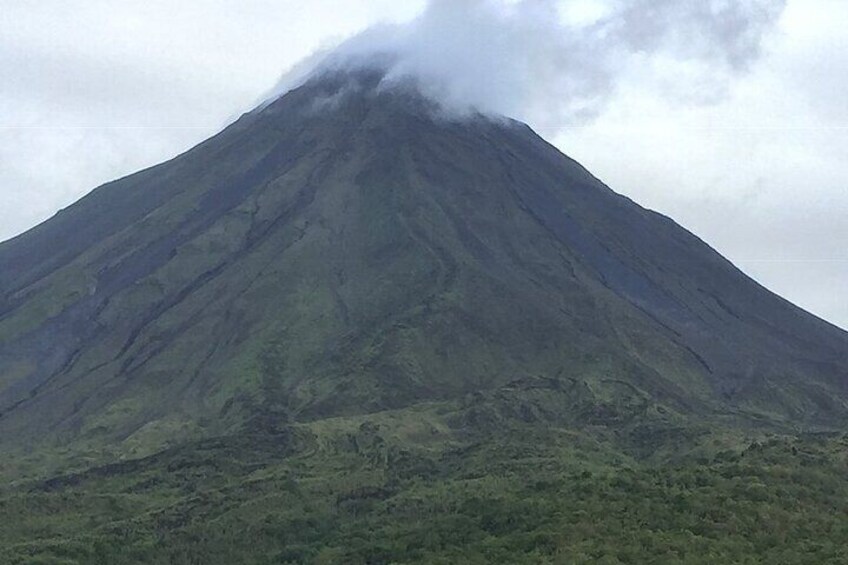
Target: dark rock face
x,y
345,249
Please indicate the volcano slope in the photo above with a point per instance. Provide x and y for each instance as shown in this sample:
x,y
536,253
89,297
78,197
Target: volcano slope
x,y
349,319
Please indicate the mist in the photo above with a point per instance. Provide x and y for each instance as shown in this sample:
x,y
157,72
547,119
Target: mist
x,y
552,63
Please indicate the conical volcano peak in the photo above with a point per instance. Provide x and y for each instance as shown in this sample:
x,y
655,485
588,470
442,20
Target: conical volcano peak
x,y
346,249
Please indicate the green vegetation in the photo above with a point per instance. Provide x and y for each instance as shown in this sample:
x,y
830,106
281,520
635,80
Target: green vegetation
x,y
404,487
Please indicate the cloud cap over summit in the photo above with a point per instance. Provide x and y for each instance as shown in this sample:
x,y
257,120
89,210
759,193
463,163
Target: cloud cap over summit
x,y
545,61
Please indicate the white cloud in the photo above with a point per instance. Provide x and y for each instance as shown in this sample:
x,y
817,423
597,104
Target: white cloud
x,y
532,60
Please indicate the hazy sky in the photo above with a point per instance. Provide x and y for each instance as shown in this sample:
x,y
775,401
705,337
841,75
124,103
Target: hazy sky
x,y
728,115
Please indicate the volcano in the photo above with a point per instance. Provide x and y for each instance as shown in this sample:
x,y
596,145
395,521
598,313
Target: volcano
x,y
348,249
354,328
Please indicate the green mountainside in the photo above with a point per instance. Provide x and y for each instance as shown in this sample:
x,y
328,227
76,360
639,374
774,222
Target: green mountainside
x,y
350,329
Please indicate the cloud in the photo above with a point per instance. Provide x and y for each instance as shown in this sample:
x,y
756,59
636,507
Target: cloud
x,y
533,60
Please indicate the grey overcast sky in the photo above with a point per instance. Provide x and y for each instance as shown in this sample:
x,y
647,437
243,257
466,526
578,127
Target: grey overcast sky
x,y
744,140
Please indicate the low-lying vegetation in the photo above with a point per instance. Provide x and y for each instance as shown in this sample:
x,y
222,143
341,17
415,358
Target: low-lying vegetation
x,y
350,492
